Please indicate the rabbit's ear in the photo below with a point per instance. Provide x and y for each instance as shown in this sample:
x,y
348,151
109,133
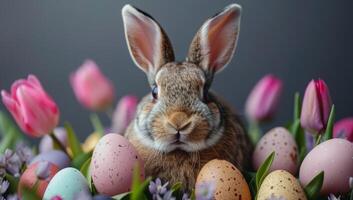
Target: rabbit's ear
x,y
148,44
214,44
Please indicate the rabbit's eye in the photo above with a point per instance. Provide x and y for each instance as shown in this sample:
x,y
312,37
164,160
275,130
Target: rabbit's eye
x,y
155,92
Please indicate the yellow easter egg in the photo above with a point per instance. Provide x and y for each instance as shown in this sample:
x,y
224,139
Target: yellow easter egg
x,y
281,184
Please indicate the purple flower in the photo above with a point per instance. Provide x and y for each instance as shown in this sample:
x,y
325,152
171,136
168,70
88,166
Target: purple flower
x,y
333,197
4,186
159,191
309,141
185,197
24,152
12,197
205,191
43,170
13,162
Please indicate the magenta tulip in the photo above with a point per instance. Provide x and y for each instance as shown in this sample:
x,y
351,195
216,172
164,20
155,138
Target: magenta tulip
x,y
91,87
263,99
344,129
33,109
124,113
316,107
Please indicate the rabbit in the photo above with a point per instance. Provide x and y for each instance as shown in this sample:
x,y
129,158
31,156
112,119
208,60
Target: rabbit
x,y
181,124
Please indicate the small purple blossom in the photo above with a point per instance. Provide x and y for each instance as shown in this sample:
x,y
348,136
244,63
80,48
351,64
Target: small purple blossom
x,y
205,191
185,197
13,162
43,170
333,197
12,197
159,191
4,186
24,152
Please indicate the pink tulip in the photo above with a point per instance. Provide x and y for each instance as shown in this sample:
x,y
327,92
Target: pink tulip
x,y
316,107
33,109
124,113
344,129
263,99
91,87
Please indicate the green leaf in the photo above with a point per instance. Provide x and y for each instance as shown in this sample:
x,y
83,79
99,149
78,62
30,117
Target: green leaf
x,y
193,195
313,188
351,196
85,168
329,129
299,136
263,170
254,132
123,196
13,182
74,144
80,159
28,194
138,188
10,132
97,124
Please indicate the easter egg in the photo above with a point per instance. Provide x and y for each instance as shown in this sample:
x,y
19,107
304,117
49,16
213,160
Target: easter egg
x,y
46,143
335,158
56,157
228,181
112,165
66,184
280,184
280,141
91,142
29,178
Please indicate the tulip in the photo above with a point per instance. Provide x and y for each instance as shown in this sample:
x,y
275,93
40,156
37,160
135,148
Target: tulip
x,y
91,87
316,107
263,99
124,113
344,129
33,109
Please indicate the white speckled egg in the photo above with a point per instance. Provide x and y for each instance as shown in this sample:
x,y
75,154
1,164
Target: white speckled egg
x,y
283,144
66,184
228,181
113,161
335,158
278,184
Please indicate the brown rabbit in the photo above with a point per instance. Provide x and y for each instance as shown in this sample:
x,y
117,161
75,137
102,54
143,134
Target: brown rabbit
x,y
181,125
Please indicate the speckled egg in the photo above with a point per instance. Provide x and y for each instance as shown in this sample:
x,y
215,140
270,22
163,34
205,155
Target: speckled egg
x,y
56,157
91,142
278,184
335,158
228,181
113,161
66,184
29,178
283,144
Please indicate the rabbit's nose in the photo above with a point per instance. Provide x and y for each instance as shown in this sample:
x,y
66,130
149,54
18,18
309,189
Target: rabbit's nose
x,y
179,121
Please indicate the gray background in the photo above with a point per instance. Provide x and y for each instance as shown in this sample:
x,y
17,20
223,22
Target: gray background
x,y
295,40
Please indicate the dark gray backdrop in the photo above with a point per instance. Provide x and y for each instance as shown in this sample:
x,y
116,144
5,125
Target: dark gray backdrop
x,y
295,40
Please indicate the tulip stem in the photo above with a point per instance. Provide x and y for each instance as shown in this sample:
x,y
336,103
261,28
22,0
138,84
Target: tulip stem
x,y
59,144
254,132
317,139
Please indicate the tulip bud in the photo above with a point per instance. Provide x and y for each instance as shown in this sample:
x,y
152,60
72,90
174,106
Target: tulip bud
x,y
316,107
263,99
33,109
124,113
91,87
344,129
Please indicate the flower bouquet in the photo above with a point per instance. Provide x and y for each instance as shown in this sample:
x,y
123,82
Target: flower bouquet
x,y
310,157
